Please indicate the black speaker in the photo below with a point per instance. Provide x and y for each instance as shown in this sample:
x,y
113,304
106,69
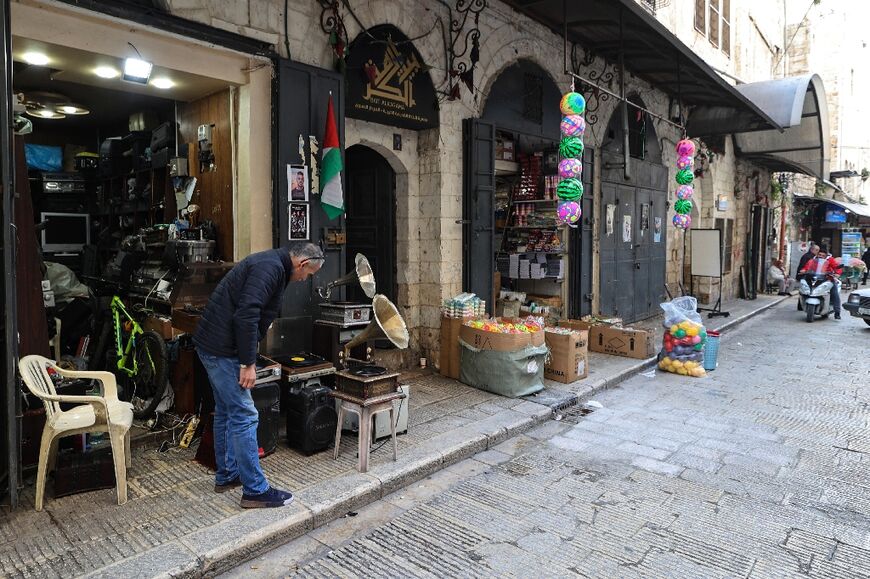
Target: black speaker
x,y
311,418
267,399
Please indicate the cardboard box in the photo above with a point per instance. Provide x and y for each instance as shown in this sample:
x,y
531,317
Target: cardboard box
x,y
616,341
568,360
507,308
626,342
449,355
500,342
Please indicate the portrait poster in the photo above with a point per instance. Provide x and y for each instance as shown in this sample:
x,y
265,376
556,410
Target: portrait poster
x,y
657,232
626,228
611,216
297,183
299,222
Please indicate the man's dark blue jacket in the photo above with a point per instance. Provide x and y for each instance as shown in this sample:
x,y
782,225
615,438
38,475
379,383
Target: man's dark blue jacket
x,y
244,305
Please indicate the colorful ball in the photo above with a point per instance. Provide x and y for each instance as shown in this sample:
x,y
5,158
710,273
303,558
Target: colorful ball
x,y
572,103
573,126
682,221
570,147
569,168
685,163
686,148
685,192
569,189
683,206
569,212
685,176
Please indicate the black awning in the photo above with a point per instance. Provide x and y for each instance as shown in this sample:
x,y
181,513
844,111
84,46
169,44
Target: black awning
x,y
650,50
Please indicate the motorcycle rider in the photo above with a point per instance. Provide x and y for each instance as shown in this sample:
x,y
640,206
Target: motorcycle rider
x,y
824,264
810,254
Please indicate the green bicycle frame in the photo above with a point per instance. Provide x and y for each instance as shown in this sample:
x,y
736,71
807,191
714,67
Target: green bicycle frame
x,y
123,350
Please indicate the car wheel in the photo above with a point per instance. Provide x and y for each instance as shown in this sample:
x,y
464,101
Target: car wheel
x,y
867,321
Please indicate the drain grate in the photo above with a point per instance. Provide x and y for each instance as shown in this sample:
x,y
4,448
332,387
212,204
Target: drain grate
x,y
571,414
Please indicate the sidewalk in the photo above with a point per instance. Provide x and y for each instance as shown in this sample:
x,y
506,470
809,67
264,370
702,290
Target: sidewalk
x,y
175,525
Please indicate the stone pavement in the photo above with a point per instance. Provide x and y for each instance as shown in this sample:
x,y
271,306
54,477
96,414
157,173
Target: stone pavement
x,y
174,523
762,469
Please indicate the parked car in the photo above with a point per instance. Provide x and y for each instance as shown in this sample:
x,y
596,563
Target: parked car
x,y
858,304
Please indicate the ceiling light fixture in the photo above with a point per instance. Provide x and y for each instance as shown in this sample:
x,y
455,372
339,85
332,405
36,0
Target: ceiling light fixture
x,y
137,70
106,72
72,109
35,58
44,113
162,83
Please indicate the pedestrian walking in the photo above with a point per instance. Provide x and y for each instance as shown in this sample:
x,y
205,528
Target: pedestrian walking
x,y
241,309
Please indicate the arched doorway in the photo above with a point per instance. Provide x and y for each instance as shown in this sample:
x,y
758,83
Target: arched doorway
x,y
370,220
633,213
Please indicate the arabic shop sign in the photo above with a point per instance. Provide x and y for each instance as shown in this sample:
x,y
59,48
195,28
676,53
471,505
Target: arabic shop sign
x,y
388,82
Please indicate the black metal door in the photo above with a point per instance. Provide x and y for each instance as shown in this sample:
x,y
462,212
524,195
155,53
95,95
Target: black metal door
x,y
9,401
633,232
478,220
580,298
302,98
371,218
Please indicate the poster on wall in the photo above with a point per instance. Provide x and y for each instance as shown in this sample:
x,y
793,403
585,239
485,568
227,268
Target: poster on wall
x,y
644,218
611,215
657,232
299,223
297,183
626,228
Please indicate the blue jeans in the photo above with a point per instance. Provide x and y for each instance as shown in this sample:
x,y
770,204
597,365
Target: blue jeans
x,y
235,426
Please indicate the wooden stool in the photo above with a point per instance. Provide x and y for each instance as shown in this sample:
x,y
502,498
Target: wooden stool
x,y
366,409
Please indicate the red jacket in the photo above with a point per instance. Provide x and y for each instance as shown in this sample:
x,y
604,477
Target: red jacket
x,y
829,266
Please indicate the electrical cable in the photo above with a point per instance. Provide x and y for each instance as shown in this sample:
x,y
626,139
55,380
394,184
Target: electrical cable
x,y
286,29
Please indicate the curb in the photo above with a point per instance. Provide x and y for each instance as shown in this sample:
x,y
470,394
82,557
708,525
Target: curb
x,y
221,547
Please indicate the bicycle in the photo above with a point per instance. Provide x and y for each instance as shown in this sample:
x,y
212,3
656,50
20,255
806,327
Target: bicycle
x,y
139,359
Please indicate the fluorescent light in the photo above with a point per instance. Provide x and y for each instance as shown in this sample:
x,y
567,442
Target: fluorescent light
x,y
163,83
106,72
137,70
35,58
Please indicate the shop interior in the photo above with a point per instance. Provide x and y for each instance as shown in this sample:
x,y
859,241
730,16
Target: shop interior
x,y
125,180
125,213
530,247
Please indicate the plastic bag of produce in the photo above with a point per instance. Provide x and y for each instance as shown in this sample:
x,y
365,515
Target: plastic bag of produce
x,y
685,335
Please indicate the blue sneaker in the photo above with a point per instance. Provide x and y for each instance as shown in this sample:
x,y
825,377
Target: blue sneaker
x,y
270,499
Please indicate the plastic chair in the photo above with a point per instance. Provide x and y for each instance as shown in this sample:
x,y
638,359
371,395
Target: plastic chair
x,y
95,414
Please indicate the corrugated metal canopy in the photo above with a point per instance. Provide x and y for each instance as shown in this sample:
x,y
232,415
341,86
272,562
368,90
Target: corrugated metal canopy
x,y
651,51
797,104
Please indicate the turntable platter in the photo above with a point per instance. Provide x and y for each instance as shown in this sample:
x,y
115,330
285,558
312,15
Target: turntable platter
x,y
299,360
368,371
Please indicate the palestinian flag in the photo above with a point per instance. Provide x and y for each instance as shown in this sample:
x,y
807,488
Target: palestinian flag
x,y
331,196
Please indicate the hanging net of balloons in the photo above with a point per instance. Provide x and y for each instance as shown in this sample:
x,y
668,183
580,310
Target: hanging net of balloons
x,y
570,188
685,176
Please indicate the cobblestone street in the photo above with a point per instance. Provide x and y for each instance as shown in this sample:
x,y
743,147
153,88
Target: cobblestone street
x,y
762,469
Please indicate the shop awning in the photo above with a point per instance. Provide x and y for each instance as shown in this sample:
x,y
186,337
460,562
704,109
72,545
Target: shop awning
x,y
856,208
610,27
796,104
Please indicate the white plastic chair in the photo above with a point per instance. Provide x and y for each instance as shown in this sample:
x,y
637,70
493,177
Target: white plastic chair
x,y
95,414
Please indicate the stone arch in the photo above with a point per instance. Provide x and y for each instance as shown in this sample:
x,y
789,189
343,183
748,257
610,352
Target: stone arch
x,y
612,137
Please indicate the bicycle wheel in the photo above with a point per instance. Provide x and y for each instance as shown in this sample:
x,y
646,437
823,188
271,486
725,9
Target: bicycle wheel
x,y
149,383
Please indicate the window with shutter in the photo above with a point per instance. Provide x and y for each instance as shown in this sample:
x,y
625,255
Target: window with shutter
x,y
701,16
714,23
726,27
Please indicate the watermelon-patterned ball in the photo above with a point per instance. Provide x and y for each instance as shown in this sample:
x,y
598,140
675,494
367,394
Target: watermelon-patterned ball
x,y
685,176
686,148
685,163
573,126
682,221
685,192
569,168
569,212
569,189
683,206
570,147
572,103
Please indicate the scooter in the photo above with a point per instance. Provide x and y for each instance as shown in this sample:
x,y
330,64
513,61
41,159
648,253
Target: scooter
x,y
815,295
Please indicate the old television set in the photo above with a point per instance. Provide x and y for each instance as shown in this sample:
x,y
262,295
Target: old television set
x,y
65,232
